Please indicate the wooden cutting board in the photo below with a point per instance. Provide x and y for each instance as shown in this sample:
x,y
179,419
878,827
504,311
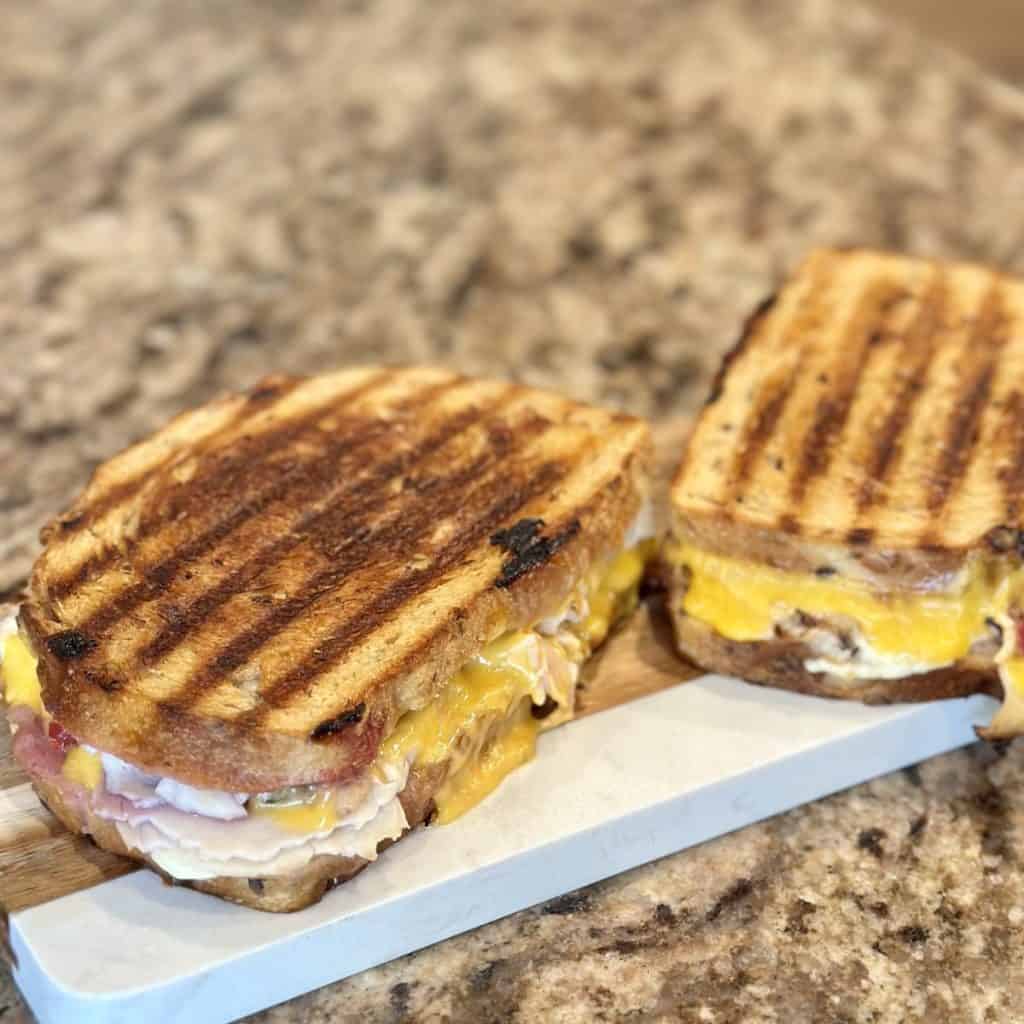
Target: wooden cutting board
x,y
40,860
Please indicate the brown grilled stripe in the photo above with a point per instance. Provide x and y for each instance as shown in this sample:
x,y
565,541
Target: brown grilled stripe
x,y
507,503
760,423
257,403
860,340
757,432
987,337
223,479
1011,476
390,540
919,343
313,474
755,320
328,518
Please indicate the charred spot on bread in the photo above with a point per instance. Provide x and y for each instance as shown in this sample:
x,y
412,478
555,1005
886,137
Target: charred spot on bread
x,y
256,885
517,538
1003,539
266,389
333,726
824,571
859,535
541,711
527,548
70,644
104,682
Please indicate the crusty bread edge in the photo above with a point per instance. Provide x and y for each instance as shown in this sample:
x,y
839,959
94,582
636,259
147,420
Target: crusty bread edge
x,y
869,561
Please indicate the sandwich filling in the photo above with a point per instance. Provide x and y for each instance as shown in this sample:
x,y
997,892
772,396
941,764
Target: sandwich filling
x,y
481,726
855,631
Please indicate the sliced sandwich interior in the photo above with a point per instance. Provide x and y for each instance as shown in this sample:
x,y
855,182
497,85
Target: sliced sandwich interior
x,y
853,635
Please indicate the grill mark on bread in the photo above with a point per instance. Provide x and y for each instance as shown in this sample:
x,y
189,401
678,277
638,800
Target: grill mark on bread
x,y
753,323
240,465
327,518
1011,475
760,423
511,496
390,539
566,526
87,514
861,334
988,335
759,429
156,578
919,340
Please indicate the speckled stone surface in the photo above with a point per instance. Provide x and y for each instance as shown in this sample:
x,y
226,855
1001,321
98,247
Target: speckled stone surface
x,y
587,195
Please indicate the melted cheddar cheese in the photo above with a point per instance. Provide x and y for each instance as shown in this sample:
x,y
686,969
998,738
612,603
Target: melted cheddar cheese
x,y
498,686
485,693
318,813
84,767
743,601
612,590
514,746
20,679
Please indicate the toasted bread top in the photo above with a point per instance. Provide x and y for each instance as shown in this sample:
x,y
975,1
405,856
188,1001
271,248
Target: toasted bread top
x,y
875,405
250,598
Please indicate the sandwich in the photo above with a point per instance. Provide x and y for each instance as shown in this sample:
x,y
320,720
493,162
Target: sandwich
x,y
298,622
848,515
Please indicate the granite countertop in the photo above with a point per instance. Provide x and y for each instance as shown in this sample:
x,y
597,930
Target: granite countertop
x,y
586,195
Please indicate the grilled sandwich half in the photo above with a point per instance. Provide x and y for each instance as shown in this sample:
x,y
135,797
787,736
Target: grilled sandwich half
x,y
298,622
848,517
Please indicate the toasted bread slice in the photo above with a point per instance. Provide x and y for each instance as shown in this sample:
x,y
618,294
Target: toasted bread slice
x,y
848,514
252,597
870,418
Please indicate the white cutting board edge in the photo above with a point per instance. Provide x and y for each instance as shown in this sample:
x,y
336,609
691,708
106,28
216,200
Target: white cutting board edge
x,y
613,791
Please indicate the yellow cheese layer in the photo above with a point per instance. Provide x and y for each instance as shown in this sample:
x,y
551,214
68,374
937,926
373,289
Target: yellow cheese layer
x,y
488,687
313,815
496,683
612,590
743,601
84,767
21,681
514,746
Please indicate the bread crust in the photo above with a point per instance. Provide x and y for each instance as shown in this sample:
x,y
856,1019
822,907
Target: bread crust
x,y
884,568
584,471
